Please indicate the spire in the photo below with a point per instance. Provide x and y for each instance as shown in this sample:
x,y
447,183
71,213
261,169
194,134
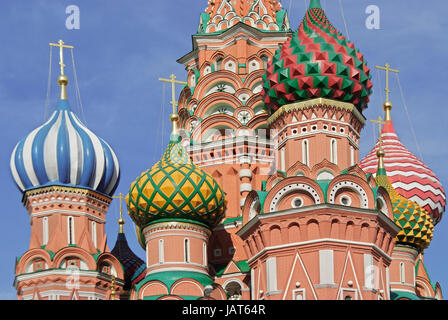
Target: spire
x,y
62,79
121,221
315,4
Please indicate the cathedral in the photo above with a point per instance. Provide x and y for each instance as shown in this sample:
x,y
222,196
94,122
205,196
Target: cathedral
x,y
260,194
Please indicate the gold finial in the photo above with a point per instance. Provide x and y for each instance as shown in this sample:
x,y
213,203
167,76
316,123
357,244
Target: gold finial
x,y
387,105
112,288
380,153
380,123
174,116
62,79
121,221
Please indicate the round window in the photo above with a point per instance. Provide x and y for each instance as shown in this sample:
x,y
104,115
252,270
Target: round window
x,y
345,200
297,202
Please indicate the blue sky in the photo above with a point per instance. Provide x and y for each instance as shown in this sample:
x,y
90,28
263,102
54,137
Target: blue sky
x,y
123,47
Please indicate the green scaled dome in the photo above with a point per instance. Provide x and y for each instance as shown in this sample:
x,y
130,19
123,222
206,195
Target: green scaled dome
x,y
175,189
317,62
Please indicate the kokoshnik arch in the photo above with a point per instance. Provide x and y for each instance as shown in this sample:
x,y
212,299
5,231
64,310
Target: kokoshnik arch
x,y
230,211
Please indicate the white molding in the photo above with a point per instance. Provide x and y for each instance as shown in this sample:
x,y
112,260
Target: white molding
x,y
71,213
264,250
246,187
178,269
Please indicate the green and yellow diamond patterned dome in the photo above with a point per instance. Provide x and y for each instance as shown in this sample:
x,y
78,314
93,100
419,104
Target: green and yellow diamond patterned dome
x,y
175,189
416,224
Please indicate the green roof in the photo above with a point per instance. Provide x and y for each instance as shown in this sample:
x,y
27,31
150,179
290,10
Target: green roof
x,y
323,184
232,220
242,265
396,295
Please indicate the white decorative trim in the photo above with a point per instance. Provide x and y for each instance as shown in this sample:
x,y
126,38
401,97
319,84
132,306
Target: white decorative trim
x,y
178,269
351,185
265,249
245,173
72,213
293,188
245,187
301,291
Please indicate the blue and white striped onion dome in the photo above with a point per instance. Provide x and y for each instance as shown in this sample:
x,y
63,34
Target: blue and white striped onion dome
x,y
64,152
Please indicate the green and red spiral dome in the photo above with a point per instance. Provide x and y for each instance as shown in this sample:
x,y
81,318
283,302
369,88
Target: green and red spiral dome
x,y
317,62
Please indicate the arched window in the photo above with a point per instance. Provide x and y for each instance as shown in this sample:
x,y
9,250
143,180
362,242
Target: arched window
x,y
233,290
45,231
305,152
265,60
334,151
70,230
219,64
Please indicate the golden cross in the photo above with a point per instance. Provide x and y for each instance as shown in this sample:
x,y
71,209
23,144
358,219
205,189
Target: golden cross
x,y
173,82
380,122
387,69
121,220
61,53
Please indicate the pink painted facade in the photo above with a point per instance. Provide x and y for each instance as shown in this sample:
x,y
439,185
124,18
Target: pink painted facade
x,y
68,257
302,221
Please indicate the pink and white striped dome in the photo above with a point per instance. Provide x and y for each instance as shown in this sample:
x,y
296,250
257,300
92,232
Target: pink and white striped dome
x,y
410,177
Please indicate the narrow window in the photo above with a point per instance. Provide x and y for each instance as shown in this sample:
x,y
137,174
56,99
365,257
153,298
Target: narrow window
x,y
94,238
161,252
283,160
352,156
369,271
334,151
204,253
326,266
265,60
402,273
305,152
271,274
187,250
45,231
71,230
219,64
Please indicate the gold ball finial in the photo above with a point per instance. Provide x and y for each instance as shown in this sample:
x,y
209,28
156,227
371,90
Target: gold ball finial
x,y
380,153
387,105
174,117
63,80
